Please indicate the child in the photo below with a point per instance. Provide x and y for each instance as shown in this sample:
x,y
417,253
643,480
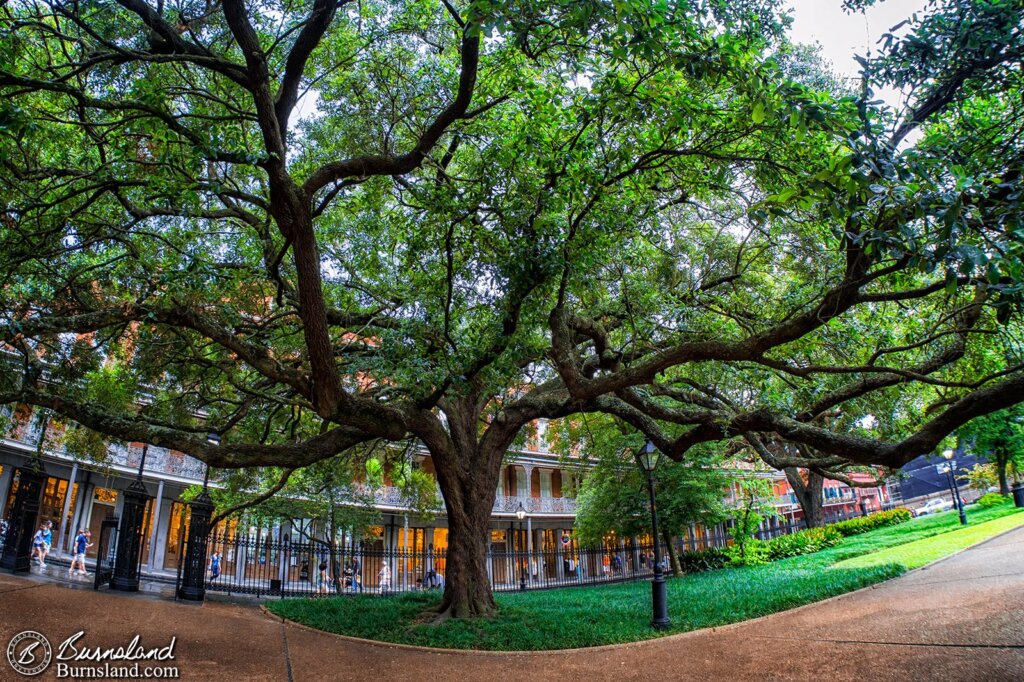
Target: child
x,y
385,578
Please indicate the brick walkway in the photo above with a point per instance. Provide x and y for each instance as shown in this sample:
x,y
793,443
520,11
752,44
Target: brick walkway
x,y
960,619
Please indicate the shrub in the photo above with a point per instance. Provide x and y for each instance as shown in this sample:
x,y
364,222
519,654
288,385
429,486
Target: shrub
x,y
802,542
991,500
872,521
753,552
704,559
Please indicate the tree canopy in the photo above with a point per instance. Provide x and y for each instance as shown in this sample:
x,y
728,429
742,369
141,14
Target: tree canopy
x,y
613,495
999,436
483,213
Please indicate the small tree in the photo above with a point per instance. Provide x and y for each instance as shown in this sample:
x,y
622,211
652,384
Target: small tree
x,y
755,503
981,477
614,497
1000,437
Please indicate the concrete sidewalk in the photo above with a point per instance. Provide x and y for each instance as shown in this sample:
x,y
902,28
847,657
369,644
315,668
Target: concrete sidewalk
x,y
960,619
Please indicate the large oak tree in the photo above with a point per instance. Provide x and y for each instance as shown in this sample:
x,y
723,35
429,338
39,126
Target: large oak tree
x,y
313,225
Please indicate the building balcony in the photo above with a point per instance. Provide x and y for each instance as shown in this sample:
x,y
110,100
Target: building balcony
x,y
159,461
164,462
504,504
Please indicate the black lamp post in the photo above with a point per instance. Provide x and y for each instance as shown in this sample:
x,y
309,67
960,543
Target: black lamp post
x,y
521,514
193,582
649,458
957,500
130,532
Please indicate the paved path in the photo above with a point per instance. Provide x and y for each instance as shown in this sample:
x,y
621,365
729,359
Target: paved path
x,y
961,619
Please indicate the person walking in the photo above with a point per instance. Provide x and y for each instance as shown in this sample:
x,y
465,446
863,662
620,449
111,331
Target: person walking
x,y
384,578
357,580
47,540
41,543
215,566
81,543
322,582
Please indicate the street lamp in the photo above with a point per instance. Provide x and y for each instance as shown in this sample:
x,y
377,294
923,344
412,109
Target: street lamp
x,y
957,500
521,514
648,459
214,440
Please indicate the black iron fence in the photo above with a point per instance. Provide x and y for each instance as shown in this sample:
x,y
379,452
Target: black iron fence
x,y
251,564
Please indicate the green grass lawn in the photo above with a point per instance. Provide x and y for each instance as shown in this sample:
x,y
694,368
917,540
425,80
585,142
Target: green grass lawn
x,y
607,614
921,552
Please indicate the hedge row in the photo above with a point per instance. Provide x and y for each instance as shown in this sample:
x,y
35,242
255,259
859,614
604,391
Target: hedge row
x,y
704,559
794,544
877,520
801,542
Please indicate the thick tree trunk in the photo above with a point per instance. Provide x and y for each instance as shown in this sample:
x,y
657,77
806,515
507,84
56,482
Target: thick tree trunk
x,y
809,495
468,466
467,587
1004,484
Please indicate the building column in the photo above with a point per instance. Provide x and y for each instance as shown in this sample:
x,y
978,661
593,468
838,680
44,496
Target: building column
x,y
161,557
284,554
391,545
241,553
541,559
428,550
528,472
5,483
405,551
85,493
66,508
559,558
155,532
5,477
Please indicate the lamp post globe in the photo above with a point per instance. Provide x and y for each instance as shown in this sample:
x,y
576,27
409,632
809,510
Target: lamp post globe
x,y
958,501
649,457
521,514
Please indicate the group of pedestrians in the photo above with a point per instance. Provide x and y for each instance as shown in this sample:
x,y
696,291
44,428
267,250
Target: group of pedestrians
x,y
42,543
351,576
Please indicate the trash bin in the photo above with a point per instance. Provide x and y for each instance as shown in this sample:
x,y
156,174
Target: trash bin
x,y
1018,495
275,586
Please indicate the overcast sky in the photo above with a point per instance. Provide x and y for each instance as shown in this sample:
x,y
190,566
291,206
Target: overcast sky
x,y
840,35
843,35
